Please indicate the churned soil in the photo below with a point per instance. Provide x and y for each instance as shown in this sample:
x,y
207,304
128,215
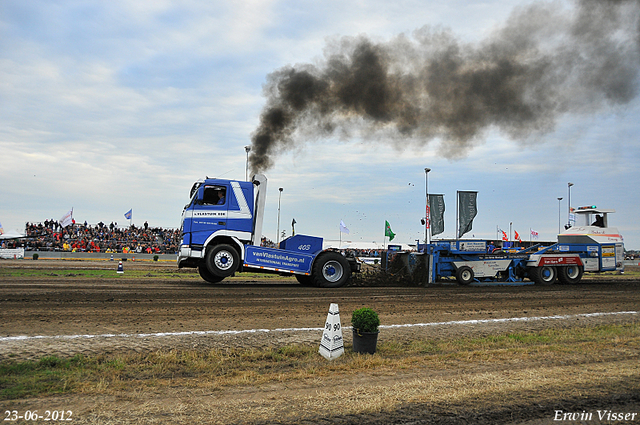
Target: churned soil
x,y
65,313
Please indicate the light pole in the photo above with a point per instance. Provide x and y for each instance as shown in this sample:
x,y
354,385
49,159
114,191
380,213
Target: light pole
x,y
427,223
246,173
569,202
278,235
559,199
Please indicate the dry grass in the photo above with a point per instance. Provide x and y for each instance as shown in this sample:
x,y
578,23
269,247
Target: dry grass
x,y
452,393
295,383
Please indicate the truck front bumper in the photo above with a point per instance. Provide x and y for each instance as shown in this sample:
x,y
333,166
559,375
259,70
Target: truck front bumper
x,y
189,257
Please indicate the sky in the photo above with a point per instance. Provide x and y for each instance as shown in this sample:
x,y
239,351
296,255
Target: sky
x,y
112,106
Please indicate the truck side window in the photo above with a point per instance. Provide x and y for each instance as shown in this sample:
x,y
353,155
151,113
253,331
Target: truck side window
x,y
214,195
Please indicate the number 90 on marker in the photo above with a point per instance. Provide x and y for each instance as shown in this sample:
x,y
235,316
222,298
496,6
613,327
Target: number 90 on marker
x,y
336,326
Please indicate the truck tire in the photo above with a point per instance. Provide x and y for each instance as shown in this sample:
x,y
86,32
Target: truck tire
x,y
543,275
464,275
305,280
222,260
570,275
206,274
331,270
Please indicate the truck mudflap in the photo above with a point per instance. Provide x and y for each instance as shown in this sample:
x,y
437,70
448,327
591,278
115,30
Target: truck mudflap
x,y
355,264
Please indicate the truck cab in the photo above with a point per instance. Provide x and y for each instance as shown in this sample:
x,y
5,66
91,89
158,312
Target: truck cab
x,y
218,210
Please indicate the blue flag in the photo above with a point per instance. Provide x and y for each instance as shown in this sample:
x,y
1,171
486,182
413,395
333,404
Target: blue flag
x,y
128,214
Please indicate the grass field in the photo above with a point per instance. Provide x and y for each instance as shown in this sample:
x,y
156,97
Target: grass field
x,y
217,370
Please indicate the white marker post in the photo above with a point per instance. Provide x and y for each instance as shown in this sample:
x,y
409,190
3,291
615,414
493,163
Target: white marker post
x,y
331,346
120,268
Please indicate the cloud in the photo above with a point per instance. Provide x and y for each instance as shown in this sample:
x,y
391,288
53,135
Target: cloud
x,y
112,106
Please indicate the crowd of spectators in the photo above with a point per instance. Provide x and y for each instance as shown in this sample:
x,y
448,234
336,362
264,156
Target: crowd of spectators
x,y
363,252
51,236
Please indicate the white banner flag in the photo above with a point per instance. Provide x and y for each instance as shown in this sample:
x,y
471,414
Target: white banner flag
x,y
343,227
67,219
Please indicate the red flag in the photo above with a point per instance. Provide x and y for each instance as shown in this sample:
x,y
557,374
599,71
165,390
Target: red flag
x,y
504,236
517,236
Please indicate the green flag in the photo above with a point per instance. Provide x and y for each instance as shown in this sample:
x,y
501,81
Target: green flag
x,y
387,231
467,210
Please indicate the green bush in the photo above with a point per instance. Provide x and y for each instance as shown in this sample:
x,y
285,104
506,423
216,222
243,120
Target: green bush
x,y
35,256
365,320
155,257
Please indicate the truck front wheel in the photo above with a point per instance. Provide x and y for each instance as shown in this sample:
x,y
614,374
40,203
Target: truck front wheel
x,y
206,274
331,270
570,275
222,260
543,275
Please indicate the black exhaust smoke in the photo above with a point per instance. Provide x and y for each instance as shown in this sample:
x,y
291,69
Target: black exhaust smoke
x,y
546,61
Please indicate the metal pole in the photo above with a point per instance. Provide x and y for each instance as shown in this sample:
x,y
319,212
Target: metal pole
x,y
278,235
569,206
559,199
427,223
246,173
457,216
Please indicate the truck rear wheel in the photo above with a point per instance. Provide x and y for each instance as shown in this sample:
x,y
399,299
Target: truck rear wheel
x,y
543,275
570,275
464,275
206,274
305,280
331,270
222,260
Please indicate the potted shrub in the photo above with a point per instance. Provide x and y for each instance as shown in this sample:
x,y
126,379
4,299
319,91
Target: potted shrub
x,y
35,256
365,323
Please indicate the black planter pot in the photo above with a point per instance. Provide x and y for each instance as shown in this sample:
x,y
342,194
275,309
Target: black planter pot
x,y
365,342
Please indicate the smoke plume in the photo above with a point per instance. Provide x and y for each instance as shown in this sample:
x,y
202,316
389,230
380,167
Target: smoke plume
x,y
544,62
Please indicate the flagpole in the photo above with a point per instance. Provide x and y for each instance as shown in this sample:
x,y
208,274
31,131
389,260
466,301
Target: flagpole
x,y
457,216
427,229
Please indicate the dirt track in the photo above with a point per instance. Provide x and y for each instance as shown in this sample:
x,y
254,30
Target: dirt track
x,y
125,308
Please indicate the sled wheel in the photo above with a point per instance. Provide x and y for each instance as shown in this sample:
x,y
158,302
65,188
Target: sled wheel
x,y
570,275
464,275
543,275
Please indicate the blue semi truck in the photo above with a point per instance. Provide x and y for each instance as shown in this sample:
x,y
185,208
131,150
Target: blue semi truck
x,y
222,233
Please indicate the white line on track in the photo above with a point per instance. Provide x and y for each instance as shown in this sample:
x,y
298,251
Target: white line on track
x,y
249,331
